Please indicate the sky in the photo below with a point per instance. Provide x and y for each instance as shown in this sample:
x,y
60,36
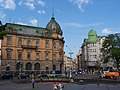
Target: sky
x,y
76,17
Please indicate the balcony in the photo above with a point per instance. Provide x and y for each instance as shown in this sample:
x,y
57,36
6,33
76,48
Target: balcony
x,y
29,47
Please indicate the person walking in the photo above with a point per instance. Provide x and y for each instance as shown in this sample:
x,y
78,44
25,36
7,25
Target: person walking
x,y
55,87
33,83
60,85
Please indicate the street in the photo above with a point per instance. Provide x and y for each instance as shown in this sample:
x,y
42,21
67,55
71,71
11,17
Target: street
x,y
8,85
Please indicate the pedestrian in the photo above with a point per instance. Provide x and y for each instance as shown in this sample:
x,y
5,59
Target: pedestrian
x,y
40,79
55,86
33,83
61,86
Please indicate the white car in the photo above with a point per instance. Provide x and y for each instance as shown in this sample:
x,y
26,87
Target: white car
x,y
102,75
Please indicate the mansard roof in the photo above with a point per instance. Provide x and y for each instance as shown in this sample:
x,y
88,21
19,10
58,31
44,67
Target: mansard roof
x,y
26,30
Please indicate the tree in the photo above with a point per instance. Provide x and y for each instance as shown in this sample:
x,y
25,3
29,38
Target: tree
x,y
2,31
111,49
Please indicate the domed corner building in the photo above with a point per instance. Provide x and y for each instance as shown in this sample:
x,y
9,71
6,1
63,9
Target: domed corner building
x,y
91,51
92,37
30,49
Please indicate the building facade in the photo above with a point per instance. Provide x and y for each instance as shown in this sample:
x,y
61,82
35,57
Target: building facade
x,y
79,60
32,49
91,51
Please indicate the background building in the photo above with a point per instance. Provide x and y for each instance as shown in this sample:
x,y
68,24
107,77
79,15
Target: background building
x,y
0,55
32,49
91,54
79,60
67,63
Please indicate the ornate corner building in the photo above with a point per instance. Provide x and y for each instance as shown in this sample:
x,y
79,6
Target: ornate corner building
x,y
31,49
91,51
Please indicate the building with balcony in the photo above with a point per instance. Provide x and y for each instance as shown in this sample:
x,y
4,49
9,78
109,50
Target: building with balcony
x,y
31,49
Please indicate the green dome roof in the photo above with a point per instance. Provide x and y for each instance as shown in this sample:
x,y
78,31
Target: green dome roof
x,y
53,25
92,36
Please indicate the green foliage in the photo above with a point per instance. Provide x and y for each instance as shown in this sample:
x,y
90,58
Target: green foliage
x,y
2,31
111,48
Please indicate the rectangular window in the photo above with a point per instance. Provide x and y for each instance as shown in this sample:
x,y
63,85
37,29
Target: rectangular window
x,y
8,54
37,43
60,56
19,42
28,42
28,55
47,44
47,56
54,45
54,56
60,45
37,56
9,40
19,55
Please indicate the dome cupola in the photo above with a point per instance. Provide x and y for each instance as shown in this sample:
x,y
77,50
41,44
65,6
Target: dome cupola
x,y
53,26
92,36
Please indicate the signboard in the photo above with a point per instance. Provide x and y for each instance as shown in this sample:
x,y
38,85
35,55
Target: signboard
x,y
57,72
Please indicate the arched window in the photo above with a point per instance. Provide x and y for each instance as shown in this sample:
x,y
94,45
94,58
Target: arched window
x,y
37,66
8,68
28,66
18,66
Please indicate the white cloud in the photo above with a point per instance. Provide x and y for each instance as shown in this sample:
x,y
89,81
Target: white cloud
x,y
31,4
41,12
41,3
80,3
2,15
107,31
34,22
8,4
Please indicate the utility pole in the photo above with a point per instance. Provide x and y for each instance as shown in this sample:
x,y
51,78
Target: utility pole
x,y
71,52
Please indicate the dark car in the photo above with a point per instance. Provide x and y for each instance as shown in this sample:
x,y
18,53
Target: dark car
x,y
42,76
6,76
23,76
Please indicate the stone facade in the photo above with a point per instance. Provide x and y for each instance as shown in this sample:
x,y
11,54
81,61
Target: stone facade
x,y
32,49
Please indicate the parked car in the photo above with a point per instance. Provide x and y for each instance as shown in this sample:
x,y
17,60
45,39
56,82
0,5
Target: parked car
x,y
6,76
102,74
109,74
23,76
42,76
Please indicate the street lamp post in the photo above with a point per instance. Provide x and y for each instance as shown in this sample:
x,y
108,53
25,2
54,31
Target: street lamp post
x,y
71,64
70,60
20,68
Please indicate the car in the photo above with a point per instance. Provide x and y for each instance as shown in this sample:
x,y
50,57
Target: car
x,y
42,76
6,76
112,74
102,74
23,76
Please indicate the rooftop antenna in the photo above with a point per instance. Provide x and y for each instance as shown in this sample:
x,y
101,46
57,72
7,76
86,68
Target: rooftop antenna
x,y
53,13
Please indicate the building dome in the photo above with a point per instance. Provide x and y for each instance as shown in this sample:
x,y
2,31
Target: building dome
x,y
92,36
54,26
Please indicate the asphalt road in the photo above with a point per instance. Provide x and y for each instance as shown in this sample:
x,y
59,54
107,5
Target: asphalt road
x,y
8,85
